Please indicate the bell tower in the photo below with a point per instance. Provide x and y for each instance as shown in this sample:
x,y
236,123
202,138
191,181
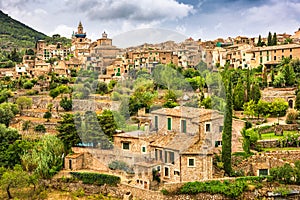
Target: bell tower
x,y
80,28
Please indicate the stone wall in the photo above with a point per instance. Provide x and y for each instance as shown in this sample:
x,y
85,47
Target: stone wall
x,y
253,164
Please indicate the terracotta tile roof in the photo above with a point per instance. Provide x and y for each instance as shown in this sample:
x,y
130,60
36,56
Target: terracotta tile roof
x,y
182,111
74,155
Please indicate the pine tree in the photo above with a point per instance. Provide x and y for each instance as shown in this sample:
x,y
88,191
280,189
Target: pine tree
x,y
227,131
270,39
274,40
259,43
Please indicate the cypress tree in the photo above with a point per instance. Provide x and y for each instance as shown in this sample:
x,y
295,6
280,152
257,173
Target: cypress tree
x,y
248,86
270,39
227,130
274,42
259,43
238,95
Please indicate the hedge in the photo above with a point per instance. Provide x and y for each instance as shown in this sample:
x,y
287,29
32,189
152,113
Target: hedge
x,y
231,189
95,178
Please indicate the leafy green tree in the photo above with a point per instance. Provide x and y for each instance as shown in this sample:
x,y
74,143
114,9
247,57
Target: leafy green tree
x,y
40,128
4,95
102,88
16,178
270,42
28,85
107,123
249,108
7,112
227,130
24,102
279,107
66,103
9,151
279,80
46,157
238,96
67,132
207,103
47,116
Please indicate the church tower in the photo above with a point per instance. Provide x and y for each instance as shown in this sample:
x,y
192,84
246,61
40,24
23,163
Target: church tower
x,y
80,28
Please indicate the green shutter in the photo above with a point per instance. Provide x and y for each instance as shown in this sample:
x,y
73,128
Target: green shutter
x,y
169,123
156,122
183,126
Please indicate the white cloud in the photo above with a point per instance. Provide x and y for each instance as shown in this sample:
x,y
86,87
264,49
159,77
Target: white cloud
x,y
63,30
137,10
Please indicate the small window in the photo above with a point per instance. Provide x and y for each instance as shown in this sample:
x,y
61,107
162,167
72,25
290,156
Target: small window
x,y
274,57
167,171
291,57
176,173
207,127
218,143
220,129
143,149
125,145
183,126
291,50
191,162
169,123
261,60
282,50
171,157
274,51
263,172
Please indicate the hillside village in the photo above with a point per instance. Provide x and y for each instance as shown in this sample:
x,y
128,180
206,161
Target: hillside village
x,y
155,119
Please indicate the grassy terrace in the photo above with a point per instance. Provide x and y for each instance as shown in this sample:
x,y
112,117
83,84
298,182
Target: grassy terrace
x,y
272,136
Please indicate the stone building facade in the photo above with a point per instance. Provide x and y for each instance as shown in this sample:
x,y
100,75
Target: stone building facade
x,y
177,147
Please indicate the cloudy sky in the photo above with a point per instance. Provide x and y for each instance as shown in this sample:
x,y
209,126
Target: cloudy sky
x,y
158,20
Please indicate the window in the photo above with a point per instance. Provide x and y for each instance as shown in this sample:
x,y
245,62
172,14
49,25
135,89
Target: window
x,y
263,172
143,149
291,50
261,60
282,57
220,129
171,157
191,162
207,127
125,145
169,123
274,57
156,122
167,171
291,57
183,126
274,51
176,173
282,50
218,143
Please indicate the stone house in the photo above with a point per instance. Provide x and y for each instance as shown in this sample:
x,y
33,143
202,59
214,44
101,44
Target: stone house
x,y
177,146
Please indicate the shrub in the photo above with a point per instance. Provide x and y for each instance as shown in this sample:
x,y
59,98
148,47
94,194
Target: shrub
x,y
40,128
28,85
120,165
95,178
32,92
291,116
